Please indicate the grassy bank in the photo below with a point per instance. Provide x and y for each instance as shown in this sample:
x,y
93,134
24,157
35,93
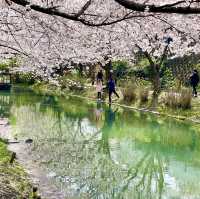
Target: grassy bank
x,y
141,99
14,182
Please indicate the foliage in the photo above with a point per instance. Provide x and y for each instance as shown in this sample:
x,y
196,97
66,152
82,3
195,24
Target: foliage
x,y
141,68
26,78
4,154
167,79
120,68
9,64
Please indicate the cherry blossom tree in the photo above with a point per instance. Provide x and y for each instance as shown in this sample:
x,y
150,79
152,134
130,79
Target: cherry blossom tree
x,y
45,34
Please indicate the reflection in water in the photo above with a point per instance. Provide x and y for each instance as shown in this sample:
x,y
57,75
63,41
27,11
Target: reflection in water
x,y
96,151
5,104
107,127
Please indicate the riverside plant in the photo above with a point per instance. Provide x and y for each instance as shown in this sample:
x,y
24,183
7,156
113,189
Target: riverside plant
x,y
144,95
181,99
129,94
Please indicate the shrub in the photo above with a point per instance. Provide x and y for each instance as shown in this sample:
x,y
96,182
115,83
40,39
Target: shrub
x,y
120,68
27,78
170,99
73,82
144,95
129,93
9,64
181,99
185,98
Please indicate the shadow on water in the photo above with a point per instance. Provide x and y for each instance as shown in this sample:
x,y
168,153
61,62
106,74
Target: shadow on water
x,y
91,150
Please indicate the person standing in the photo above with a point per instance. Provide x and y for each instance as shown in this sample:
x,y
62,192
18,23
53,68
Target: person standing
x,y
99,85
99,88
100,76
194,80
111,88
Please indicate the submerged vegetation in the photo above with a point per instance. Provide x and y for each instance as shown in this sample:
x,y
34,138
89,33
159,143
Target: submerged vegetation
x,y
92,150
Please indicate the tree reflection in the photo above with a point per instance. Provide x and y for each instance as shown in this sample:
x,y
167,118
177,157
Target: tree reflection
x,y
5,104
104,153
106,129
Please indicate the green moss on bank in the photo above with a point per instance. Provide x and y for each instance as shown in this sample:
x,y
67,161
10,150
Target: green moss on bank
x,y
14,182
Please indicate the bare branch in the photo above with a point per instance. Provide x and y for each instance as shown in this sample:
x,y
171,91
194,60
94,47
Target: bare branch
x,y
84,8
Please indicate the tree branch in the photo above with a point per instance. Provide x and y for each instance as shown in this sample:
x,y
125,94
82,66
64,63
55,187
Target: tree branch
x,y
168,8
84,8
147,55
14,49
163,55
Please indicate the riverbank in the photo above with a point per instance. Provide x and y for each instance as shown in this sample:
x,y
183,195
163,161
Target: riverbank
x,y
14,182
89,92
17,179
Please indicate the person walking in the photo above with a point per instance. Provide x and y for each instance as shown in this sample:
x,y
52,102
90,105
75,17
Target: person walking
x,y
111,88
194,80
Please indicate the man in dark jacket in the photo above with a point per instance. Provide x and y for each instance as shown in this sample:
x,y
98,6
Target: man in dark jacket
x,y
194,80
111,88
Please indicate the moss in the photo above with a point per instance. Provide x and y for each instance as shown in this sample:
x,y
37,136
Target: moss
x,y
4,154
14,182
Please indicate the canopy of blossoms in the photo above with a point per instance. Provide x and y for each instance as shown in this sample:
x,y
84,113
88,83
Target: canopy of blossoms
x,y
44,34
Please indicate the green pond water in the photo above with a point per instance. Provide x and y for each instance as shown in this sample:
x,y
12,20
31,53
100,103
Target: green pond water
x,y
91,150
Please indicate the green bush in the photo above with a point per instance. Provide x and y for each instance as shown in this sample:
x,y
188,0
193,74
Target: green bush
x,y
26,78
10,63
120,68
167,79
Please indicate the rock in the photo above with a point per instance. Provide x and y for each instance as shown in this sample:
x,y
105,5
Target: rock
x,y
13,157
28,141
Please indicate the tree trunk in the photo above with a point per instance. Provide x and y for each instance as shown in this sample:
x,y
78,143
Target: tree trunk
x,y
108,68
156,84
92,73
80,69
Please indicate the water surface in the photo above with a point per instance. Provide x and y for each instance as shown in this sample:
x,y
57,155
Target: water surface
x,y
91,150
